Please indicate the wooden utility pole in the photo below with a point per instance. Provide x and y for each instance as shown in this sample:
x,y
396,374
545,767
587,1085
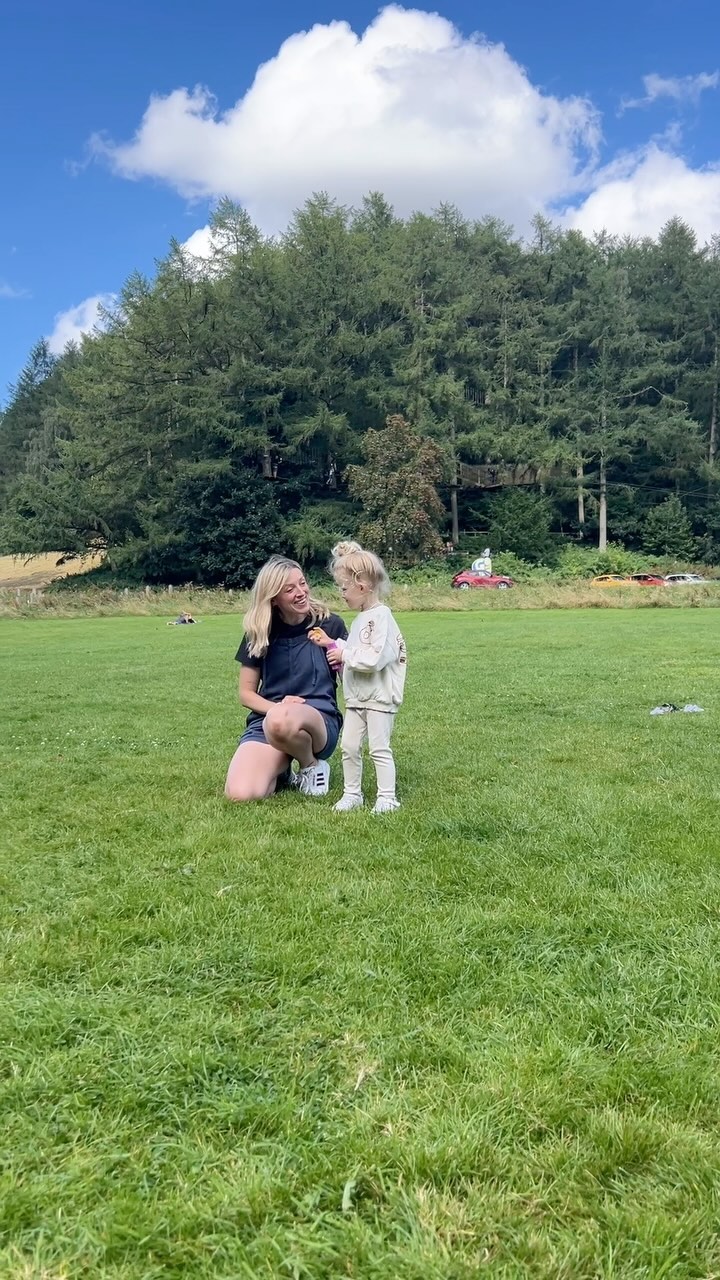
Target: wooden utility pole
x,y
602,515
712,447
454,522
580,493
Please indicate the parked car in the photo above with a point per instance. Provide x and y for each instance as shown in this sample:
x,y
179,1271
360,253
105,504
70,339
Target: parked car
x,y
467,579
610,580
684,579
648,580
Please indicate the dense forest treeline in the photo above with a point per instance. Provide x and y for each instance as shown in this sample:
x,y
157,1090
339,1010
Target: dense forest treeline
x,y
347,376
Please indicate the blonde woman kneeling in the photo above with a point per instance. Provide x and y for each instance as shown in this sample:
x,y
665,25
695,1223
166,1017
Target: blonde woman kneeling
x,y
288,687
374,665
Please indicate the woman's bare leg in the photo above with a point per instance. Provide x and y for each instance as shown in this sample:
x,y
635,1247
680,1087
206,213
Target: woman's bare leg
x,y
297,730
254,771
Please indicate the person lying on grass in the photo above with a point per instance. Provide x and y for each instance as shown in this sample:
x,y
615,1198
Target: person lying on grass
x,y
373,661
288,686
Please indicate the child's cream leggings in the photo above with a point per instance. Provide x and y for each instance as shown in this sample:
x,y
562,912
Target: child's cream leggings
x,y
377,727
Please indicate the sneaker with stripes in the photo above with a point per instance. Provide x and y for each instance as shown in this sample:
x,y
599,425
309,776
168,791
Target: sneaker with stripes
x,y
315,780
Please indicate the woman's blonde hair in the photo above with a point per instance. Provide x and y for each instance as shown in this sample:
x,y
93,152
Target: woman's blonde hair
x,y
350,560
268,584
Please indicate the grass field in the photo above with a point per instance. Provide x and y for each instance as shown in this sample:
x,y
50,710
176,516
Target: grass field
x,y
478,1037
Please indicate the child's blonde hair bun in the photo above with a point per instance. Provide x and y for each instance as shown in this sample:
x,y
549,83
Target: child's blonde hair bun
x,y
345,549
350,560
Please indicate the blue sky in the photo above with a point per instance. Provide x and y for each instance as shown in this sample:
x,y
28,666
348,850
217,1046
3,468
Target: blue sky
x,y
601,115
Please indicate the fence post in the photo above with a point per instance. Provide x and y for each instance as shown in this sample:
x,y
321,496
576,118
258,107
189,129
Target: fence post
x,y
148,592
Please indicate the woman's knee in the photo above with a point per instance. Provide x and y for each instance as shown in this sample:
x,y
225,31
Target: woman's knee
x,y
244,784
280,724
276,718
241,790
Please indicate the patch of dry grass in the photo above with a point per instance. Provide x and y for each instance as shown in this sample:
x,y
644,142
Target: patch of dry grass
x,y
104,602
38,571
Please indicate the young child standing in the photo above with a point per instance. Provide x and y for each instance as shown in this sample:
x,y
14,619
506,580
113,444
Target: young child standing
x,y
373,661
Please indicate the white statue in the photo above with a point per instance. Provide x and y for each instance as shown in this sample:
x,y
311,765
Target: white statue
x,y
483,565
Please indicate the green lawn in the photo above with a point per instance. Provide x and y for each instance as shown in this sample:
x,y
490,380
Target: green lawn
x,y
478,1037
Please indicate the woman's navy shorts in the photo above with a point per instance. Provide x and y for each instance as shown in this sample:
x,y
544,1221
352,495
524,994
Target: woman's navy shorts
x,y
333,725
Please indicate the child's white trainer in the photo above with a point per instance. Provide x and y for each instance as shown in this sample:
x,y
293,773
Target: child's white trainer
x,y
346,803
385,805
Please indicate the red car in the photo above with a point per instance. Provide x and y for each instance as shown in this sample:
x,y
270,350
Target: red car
x,y
648,580
467,579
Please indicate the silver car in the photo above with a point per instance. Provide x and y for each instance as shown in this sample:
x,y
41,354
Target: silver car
x,y
684,579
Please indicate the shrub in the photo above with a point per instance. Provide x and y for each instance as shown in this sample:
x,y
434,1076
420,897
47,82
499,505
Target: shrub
x,y
667,531
520,570
585,562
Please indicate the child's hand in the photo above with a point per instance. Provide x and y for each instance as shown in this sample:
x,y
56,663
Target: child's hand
x,y
335,658
319,637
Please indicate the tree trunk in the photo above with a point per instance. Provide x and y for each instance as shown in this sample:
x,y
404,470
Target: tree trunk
x,y
602,522
602,530
712,447
579,470
454,522
455,529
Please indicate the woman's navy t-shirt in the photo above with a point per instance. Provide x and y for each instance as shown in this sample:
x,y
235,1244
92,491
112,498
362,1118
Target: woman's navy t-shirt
x,y
295,667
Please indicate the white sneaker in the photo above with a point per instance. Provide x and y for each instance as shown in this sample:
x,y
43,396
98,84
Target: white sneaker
x,y
346,803
315,780
383,805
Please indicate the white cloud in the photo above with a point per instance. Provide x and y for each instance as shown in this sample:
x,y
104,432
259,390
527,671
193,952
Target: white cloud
x,y
638,194
677,88
200,243
414,109
204,254
9,291
410,107
70,325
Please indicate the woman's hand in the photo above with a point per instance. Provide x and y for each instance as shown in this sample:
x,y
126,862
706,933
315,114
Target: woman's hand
x,y
320,638
291,698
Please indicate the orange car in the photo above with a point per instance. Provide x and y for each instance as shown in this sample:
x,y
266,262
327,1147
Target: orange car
x,y
610,580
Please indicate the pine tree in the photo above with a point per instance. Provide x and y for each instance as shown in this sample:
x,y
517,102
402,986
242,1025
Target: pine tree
x,y
261,369
22,420
667,530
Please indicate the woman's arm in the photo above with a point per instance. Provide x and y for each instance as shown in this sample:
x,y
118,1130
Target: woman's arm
x,y
249,696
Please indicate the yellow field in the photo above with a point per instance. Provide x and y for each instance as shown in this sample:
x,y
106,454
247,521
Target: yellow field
x,y
38,571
